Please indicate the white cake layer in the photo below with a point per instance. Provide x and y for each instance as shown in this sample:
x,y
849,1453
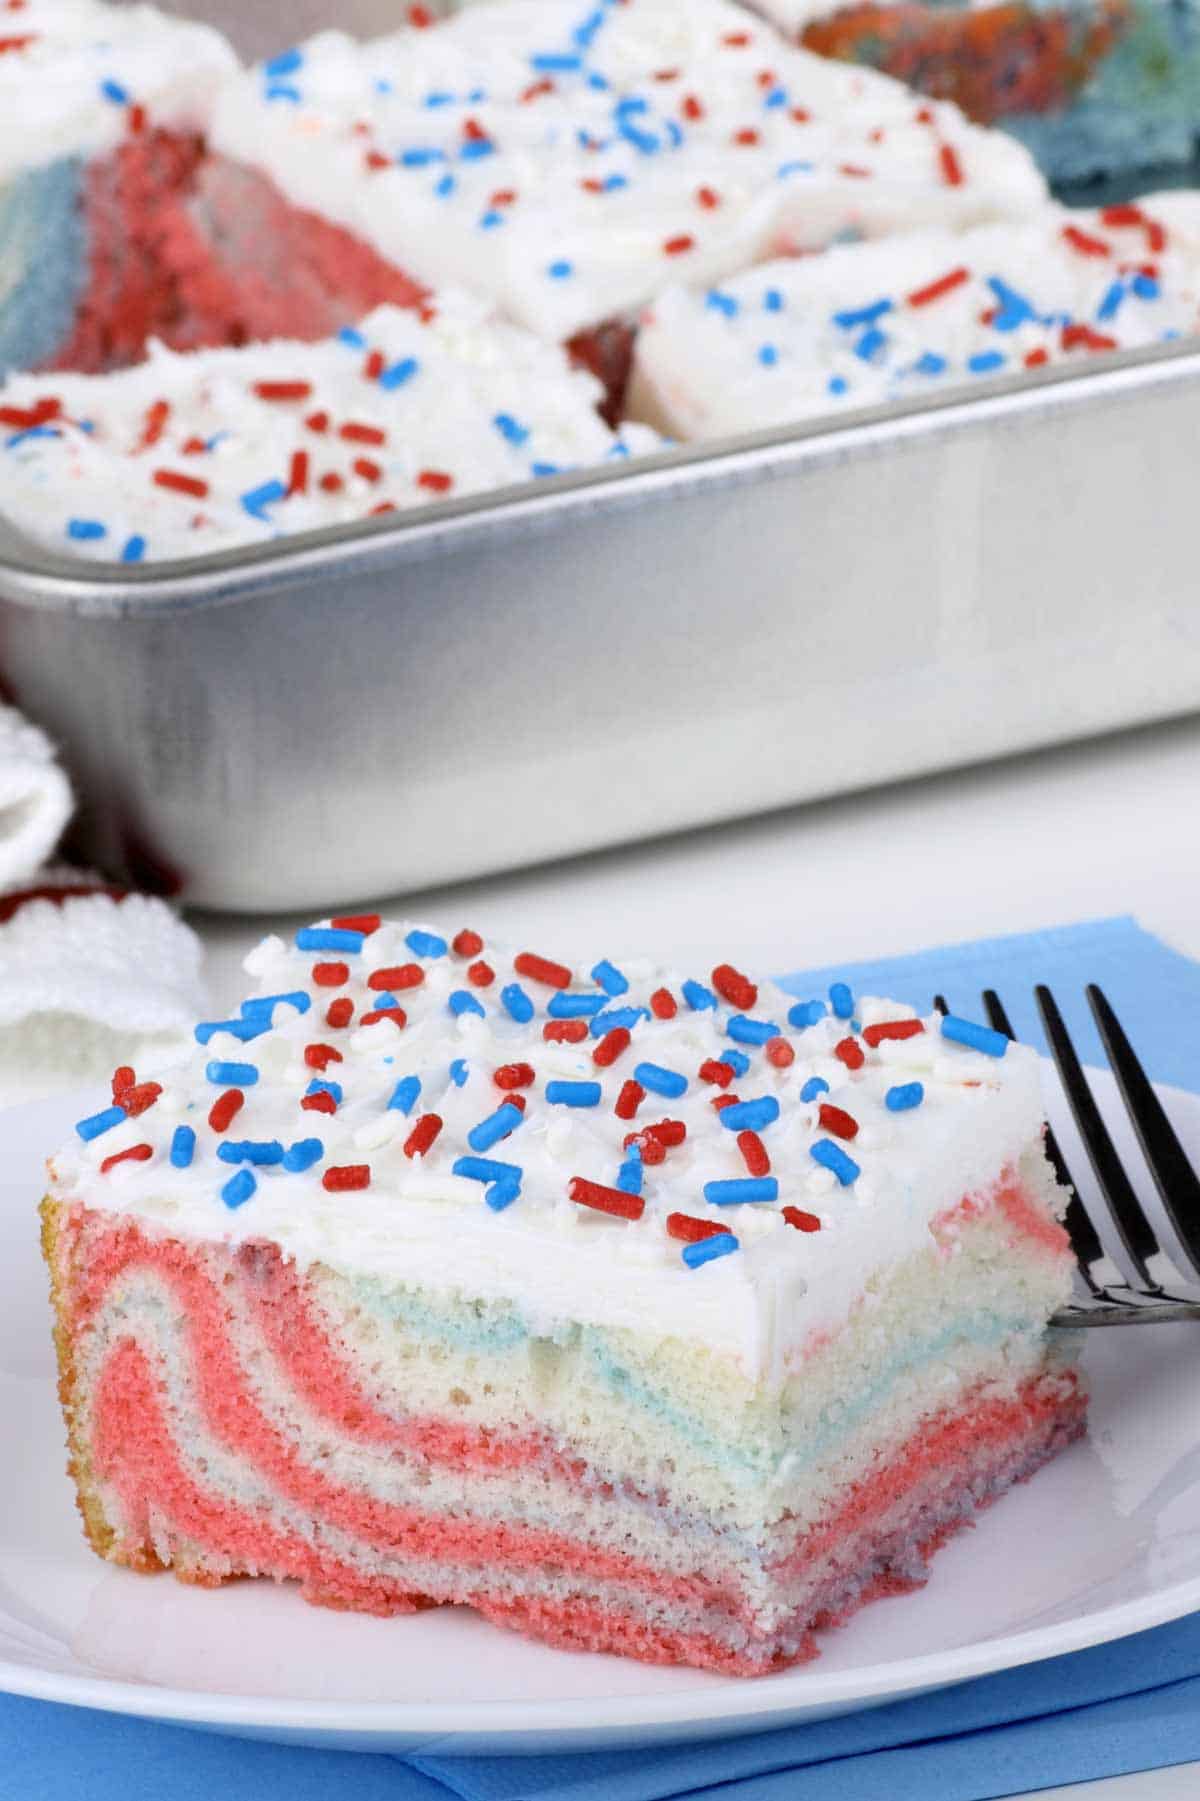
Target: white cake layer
x,y
463,403
72,71
570,160
489,1234
869,323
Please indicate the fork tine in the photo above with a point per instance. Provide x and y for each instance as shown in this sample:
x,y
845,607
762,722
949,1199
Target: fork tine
x,y
1136,1232
1085,1241
1177,1181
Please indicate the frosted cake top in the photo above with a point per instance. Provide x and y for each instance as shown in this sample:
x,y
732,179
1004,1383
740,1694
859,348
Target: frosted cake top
x,y
705,1157
191,453
571,160
77,75
873,322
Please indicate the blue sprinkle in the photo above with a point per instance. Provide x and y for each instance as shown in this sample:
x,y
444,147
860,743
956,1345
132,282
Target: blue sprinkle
x,y
813,1087
573,1094
796,167
484,1169
609,977
630,104
661,1081
438,99
541,469
458,1072
248,1150
837,384
643,141
806,1013
613,182
629,1176
404,1095
503,1193
112,90
232,1075
134,549
561,270
328,938
517,1003
83,529
426,944
399,373
280,90
906,1096
242,1029
832,1156
751,1031
870,344
286,63
980,1038
490,220
574,1006
183,1147
302,1155
420,156
615,1017
698,997
984,361
738,1061
1110,306
1145,286
773,301
354,340
511,429
750,1116
768,356
930,363
475,148
841,1000
496,1126
746,1188
463,1001
1014,308
721,1244
722,303
319,1085
552,62
238,1189
862,315
263,1005
32,431
775,98
255,499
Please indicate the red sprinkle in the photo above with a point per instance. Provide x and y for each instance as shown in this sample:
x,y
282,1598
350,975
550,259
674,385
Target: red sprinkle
x,y
283,390
435,480
1088,339
366,923
346,1175
318,422
663,1004
356,433
318,1056
754,1151
669,1132
157,414
679,246
136,1099
565,1031
780,1053
481,975
606,1200
517,1101
397,1015
721,1101
892,1028
1035,358
422,1135
733,986
137,1153
708,198
339,1012
652,1149
610,1047
331,483
952,169
850,1052
1085,243
331,975
713,1071
503,197
180,484
736,40
514,1075
124,1077
692,1230
225,1109
375,365
803,1222
945,284
320,1102
629,1100
420,17
400,975
800,114
370,472
541,969
298,473
692,108
837,1121
747,135
467,943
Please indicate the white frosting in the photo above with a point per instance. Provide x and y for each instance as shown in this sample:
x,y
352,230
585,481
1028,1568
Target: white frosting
x,y
74,70
570,161
483,404
795,339
556,1260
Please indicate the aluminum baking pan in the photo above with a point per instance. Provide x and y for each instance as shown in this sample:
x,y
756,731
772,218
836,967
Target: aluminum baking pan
x,y
658,645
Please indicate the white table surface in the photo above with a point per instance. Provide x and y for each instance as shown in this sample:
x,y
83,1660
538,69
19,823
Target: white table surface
x,y
1108,827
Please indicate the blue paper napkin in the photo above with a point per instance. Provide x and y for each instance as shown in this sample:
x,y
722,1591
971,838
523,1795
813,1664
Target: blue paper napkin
x,y
1130,1705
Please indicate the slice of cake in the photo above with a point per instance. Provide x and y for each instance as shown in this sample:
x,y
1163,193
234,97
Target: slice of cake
x,y
1091,87
670,1316
185,454
893,321
570,160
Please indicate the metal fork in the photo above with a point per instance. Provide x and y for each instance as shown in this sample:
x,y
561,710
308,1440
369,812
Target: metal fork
x,y
1138,1283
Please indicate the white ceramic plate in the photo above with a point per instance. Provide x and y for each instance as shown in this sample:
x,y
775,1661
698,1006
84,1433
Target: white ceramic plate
x,y
1104,1542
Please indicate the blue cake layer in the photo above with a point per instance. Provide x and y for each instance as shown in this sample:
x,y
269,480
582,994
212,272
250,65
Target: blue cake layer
x,y
43,262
